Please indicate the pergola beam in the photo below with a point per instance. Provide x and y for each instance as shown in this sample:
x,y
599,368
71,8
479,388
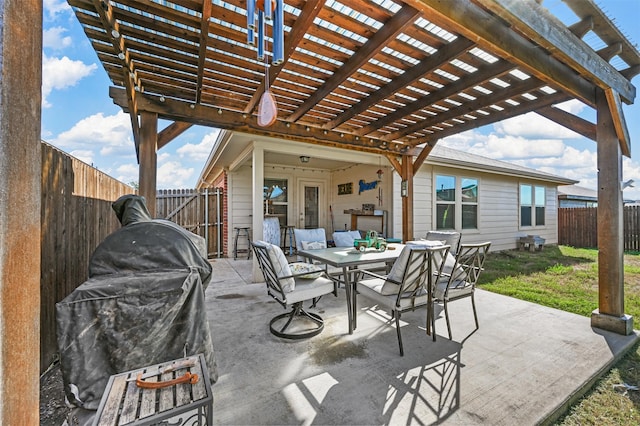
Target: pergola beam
x,y
570,121
170,109
491,33
389,31
171,132
113,32
619,122
544,29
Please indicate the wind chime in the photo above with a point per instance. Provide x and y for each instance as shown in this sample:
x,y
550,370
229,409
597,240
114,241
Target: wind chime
x,y
259,13
380,173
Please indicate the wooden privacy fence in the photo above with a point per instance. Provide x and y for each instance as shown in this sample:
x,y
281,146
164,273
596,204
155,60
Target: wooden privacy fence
x,y
578,227
198,211
76,216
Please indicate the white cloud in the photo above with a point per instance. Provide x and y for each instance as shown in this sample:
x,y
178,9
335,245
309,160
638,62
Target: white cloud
x,y
103,135
200,151
52,8
61,73
631,170
127,173
173,174
83,155
504,147
546,155
532,125
53,38
573,106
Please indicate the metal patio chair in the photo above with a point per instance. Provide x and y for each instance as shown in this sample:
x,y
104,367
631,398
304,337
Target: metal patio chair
x,y
406,287
292,289
461,279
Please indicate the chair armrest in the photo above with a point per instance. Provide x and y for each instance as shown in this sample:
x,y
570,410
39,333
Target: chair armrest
x,y
301,274
364,271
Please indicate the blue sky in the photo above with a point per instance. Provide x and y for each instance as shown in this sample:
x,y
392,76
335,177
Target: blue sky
x,y
79,117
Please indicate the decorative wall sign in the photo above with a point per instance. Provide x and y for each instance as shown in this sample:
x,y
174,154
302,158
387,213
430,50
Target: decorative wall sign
x,y
366,186
345,188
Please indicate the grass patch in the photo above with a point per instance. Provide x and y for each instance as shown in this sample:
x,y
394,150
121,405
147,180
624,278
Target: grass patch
x,y
566,278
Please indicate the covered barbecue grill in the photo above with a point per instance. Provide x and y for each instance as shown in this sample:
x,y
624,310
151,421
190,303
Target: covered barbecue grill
x,y
143,304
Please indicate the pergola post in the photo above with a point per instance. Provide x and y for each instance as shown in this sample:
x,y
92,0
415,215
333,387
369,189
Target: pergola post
x,y
148,159
610,313
406,191
20,199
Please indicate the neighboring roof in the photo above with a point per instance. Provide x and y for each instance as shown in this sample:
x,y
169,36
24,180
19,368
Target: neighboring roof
x,y
574,192
441,155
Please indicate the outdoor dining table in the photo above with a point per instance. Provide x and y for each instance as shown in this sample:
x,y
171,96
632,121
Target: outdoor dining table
x,y
348,259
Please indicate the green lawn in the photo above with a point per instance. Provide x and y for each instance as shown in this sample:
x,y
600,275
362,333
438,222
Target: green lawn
x,y
567,278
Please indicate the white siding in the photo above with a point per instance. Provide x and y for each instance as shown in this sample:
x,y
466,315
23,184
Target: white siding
x,y
239,199
498,208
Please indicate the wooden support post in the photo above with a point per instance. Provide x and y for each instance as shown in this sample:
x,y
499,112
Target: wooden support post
x,y
407,197
20,216
148,159
610,313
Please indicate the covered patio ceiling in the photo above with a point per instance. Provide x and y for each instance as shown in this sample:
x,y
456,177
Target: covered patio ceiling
x,y
388,77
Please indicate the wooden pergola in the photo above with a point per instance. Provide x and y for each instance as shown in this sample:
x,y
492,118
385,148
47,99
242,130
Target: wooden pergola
x,y
385,77
391,78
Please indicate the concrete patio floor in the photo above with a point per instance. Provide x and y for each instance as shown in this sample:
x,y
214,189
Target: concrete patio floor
x,y
523,366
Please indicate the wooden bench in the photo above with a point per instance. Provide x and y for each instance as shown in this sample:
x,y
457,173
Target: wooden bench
x,y
531,242
124,403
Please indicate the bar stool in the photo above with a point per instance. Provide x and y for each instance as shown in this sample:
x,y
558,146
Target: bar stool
x,y
244,231
287,231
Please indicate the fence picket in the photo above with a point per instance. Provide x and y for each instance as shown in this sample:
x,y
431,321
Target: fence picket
x,y
578,227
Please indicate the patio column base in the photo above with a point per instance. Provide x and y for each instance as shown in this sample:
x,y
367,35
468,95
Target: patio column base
x,y
621,325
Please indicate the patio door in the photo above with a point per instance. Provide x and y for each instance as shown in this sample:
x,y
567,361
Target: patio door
x,y
311,204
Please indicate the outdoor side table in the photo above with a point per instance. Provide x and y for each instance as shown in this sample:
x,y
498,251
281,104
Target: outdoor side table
x,y
124,403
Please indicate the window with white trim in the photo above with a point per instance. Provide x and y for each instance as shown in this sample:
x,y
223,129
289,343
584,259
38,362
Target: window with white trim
x,y
456,202
532,205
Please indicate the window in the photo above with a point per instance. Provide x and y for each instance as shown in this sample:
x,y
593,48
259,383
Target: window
x,y
532,205
469,203
276,199
445,202
456,202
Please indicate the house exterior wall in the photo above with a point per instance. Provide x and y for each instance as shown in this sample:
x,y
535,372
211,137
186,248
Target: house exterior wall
x,y
498,207
498,201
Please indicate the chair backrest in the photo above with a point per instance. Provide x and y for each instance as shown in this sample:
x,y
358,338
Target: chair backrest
x,y
345,238
412,269
275,269
469,262
450,238
305,238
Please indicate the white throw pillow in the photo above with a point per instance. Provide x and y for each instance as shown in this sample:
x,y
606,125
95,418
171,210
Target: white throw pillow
x,y
281,266
313,245
399,266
